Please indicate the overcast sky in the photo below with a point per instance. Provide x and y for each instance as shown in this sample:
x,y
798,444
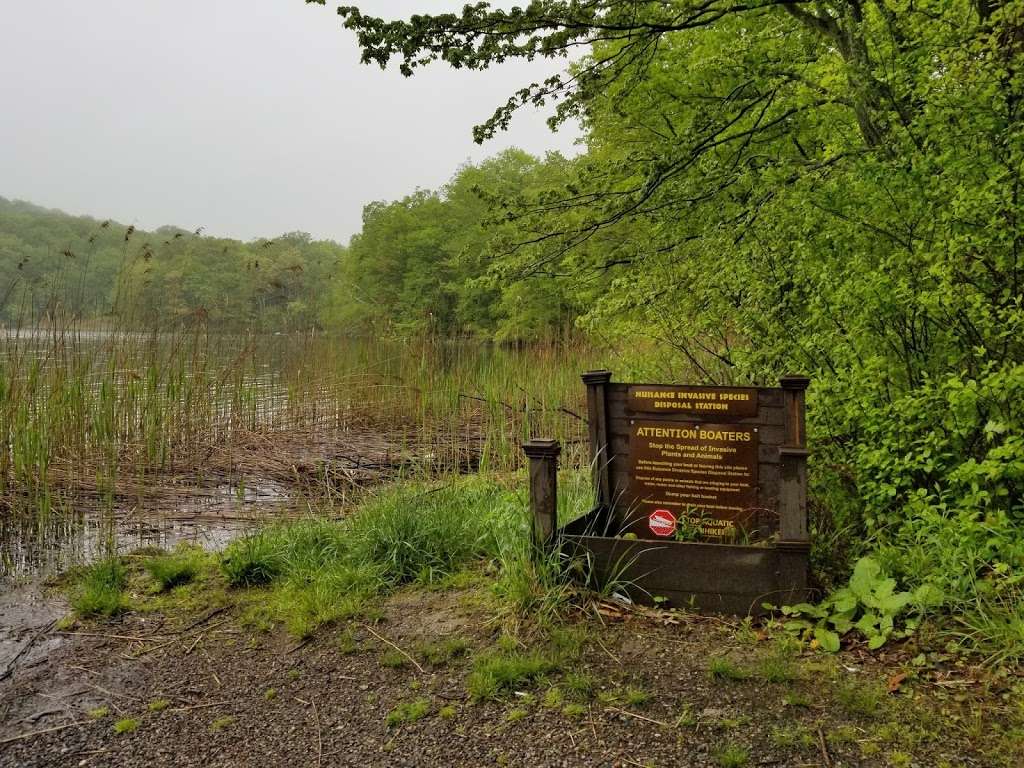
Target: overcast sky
x,y
248,117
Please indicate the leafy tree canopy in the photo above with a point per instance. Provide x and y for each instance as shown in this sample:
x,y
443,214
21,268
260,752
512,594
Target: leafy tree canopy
x,y
830,186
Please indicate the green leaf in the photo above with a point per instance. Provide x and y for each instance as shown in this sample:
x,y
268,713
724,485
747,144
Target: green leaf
x,y
867,625
929,596
865,577
828,640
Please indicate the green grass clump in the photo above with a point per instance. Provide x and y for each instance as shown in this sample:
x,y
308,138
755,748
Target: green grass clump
x,y
313,597
574,710
423,534
579,685
222,722
98,590
408,712
393,659
635,697
347,643
499,673
98,713
126,725
553,698
322,571
732,756
538,585
169,571
776,669
722,668
861,699
439,653
252,560
993,627
794,736
796,699
159,705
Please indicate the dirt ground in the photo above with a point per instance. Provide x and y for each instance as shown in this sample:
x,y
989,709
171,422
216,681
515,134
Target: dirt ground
x,y
209,689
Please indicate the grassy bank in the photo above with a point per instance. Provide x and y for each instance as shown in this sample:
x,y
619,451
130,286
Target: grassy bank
x,y
318,571
307,574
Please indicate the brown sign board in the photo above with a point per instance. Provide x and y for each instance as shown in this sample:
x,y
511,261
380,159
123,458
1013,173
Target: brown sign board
x,y
713,402
689,480
700,474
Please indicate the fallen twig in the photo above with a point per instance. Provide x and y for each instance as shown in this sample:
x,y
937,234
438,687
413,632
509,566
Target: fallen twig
x,y
203,619
152,648
319,737
611,655
131,638
638,717
195,642
824,748
30,734
380,637
300,644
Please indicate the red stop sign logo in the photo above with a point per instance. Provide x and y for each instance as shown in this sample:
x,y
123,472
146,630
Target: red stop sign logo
x,y
662,522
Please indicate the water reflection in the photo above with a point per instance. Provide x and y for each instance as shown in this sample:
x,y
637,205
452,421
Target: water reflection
x,y
68,533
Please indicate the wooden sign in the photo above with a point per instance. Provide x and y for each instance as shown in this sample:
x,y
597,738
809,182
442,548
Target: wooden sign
x,y
704,474
701,493
715,402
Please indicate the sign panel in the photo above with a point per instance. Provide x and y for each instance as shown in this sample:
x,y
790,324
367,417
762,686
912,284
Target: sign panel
x,y
703,475
719,402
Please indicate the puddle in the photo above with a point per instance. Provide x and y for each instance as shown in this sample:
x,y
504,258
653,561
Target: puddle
x,y
37,546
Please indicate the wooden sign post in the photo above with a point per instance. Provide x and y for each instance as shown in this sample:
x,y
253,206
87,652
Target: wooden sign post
x,y
701,489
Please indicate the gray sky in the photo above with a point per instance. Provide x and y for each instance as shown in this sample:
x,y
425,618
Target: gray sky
x,y
248,117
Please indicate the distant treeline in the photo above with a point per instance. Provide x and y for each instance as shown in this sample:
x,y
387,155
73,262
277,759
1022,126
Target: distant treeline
x,y
441,261
99,270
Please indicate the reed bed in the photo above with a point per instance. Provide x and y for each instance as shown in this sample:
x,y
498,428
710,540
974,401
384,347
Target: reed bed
x,y
110,414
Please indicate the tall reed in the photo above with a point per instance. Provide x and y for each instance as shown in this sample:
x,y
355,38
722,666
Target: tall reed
x,y
86,408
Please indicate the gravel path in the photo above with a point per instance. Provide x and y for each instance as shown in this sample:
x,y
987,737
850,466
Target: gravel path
x,y
233,696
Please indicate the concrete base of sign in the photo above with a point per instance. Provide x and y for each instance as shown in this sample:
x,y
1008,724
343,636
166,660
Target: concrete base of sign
x,y
723,578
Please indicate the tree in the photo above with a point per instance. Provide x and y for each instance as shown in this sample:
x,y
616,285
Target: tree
x,y
831,186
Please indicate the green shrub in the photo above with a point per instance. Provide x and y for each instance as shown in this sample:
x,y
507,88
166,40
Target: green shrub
x,y
869,605
98,589
169,571
253,560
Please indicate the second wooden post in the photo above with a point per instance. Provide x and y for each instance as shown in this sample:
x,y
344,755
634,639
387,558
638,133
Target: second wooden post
x,y
543,455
